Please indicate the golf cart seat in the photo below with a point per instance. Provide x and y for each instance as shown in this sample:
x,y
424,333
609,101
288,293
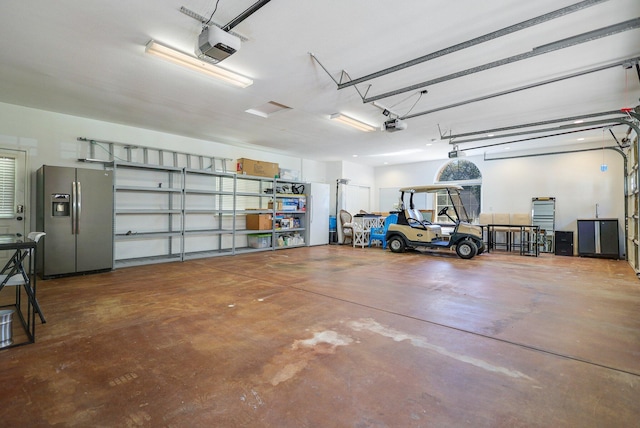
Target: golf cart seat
x,y
420,222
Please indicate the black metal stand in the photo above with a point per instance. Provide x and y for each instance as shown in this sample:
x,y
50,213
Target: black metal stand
x,y
16,266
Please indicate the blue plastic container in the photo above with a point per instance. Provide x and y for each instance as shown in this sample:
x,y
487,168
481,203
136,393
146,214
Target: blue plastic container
x,y
333,225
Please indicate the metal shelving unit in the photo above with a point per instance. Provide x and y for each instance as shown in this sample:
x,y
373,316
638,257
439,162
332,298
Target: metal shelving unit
x,y
543,215
166,213
147,214
209,215
290,211
253,195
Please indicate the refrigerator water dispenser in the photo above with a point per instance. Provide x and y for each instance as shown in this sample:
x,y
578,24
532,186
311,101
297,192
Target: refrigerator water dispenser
x,y
60,205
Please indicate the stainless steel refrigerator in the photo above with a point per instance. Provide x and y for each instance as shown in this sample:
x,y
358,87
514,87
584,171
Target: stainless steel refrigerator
x,y
74,207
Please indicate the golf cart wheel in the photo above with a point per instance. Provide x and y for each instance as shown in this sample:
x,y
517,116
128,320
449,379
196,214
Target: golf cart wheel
x,y
480,248
466,249
396,244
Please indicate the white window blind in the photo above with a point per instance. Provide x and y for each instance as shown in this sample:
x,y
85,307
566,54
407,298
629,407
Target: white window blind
x,y
7,186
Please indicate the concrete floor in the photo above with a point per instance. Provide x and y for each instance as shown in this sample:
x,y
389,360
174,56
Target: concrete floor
x,y
334,337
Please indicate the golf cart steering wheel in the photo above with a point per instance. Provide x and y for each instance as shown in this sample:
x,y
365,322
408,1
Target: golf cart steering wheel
x,y
443,211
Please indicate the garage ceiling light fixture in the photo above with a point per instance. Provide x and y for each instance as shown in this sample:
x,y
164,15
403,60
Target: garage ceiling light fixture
x,y
185,60
355,123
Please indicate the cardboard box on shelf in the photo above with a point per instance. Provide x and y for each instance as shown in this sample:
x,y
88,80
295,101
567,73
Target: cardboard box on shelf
x,y
297,203
257,168
283,223
278,205
259,222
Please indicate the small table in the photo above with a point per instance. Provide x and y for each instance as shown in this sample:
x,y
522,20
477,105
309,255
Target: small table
x,y
25,308
527,245
362,230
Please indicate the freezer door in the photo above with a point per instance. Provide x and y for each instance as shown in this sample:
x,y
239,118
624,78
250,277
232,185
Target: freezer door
x,y
54,209
318,229
94,228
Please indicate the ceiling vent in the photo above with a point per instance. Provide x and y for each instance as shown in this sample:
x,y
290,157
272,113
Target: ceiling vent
x,y
215,44
268,109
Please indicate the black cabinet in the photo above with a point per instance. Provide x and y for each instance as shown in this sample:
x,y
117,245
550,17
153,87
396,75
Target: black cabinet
x,y
564,243
598,238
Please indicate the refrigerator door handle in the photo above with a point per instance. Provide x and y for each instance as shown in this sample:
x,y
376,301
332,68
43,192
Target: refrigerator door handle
x,y
79,208
74,199
311,209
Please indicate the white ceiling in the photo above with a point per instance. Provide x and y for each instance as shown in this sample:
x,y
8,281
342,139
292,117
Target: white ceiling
x,y
87,59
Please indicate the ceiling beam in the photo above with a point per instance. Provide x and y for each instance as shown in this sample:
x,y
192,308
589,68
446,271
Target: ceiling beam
x,y
584,126
558,152
522,88
550,47
244,15
531,125
476,41
557,134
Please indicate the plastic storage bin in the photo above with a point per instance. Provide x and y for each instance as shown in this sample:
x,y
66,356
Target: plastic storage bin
x,y
259,240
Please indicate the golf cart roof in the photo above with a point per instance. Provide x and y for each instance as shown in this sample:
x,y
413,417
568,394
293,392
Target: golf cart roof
x,y
430,188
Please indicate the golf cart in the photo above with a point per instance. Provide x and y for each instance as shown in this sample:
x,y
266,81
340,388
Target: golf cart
x,y
412,230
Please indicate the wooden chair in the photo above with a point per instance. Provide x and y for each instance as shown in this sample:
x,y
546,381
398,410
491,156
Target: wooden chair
x,y
347,226
485,219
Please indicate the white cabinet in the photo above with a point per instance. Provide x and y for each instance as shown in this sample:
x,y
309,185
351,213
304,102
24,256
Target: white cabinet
x,y
317,216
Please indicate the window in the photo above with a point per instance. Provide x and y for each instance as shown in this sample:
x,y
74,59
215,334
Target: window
x,y
467,175
7,186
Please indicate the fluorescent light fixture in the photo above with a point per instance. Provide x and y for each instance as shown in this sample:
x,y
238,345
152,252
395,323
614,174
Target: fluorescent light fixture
x,y
186,60
353,122
400,153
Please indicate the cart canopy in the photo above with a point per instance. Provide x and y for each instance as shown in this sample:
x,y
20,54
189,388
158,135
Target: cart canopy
x,y
431,188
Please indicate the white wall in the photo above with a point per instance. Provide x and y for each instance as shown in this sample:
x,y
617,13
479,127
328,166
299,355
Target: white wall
x,y
361,177
358,193
508,185
314,171
575,180
51,138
